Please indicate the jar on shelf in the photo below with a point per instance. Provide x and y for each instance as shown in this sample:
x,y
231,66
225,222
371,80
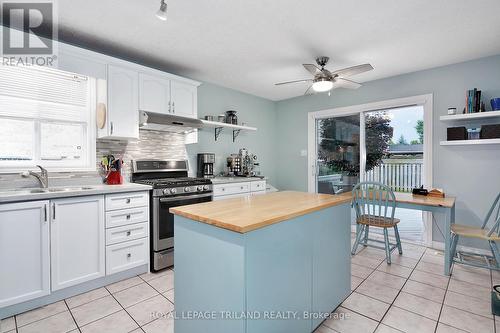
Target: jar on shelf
x,y
231,117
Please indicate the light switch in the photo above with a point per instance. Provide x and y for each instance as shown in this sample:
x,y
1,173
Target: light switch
x,y
303,153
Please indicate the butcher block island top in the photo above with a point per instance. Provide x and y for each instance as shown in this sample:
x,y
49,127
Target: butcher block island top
x,y
257,211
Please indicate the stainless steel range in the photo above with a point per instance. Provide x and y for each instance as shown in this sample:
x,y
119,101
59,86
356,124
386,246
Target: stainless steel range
x,y
171,188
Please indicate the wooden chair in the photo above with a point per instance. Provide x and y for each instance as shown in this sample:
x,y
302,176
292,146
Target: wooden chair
x,y
373,202
491,235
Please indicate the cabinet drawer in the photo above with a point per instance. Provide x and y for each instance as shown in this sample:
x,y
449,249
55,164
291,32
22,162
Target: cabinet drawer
x,y
258,186
126,233
235,188
123,256
126,200
127,216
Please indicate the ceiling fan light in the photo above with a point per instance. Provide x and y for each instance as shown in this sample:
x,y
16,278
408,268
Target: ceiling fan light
x,y
162,12
322,85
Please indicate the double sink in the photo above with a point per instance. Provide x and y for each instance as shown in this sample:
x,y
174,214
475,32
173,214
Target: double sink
x,y
21,191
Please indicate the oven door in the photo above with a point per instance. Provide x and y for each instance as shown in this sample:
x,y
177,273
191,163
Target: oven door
x,y
163,220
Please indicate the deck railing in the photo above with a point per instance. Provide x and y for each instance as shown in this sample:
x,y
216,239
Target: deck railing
x,y
401,177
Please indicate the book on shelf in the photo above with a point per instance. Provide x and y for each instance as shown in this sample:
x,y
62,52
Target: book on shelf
x,y
472,101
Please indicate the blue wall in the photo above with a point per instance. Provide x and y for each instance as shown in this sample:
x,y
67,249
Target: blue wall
x,y
254,111
472,173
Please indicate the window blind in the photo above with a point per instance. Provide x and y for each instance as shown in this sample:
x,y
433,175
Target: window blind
x,y
33,92
46,118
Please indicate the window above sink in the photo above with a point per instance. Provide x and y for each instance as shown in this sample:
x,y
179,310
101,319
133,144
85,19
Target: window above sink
x,y
47,118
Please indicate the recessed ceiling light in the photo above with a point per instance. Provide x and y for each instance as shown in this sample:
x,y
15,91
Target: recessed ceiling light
x,y
162,12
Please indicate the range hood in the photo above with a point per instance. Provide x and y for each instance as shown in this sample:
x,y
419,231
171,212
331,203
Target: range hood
x,y
167,122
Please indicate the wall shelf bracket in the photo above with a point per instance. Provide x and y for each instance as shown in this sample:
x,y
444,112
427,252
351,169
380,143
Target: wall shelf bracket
x,y
218,130
236,132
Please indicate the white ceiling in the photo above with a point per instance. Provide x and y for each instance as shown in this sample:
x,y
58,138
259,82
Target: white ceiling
x,y
248,45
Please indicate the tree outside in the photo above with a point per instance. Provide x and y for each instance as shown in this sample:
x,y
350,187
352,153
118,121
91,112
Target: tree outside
x,y
339,143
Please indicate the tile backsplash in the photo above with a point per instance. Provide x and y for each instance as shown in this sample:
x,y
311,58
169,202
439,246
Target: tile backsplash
x,y
151,145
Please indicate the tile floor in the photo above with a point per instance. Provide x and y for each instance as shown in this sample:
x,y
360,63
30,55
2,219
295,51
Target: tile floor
x,y
411,295
125,306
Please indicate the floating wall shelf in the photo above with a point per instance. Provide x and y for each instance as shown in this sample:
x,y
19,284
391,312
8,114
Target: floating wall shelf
x,y
471,116
218,127
470,142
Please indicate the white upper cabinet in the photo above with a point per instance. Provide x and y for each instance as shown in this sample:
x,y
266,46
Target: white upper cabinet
x,y
154,93
183,99
24,252
162,95
77,240
124,88
123,105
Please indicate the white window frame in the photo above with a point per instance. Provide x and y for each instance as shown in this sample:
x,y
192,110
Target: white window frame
x,y
52,165
426,101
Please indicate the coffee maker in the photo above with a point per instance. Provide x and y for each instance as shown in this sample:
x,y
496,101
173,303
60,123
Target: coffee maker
x,y
206,165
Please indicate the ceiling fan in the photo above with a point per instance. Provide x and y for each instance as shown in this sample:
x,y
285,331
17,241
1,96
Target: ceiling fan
x,y
325,80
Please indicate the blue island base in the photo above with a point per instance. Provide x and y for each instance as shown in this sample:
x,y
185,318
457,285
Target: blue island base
x,y
285,277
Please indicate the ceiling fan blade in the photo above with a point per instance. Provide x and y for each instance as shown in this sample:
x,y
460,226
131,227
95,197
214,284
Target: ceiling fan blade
x,y
345,83
354,70
296,81
313,69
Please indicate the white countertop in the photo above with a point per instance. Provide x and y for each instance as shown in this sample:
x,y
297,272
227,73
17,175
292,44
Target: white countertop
x,y
23,194
227,180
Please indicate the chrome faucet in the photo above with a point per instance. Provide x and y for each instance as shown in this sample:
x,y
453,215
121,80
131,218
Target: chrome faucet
x,y
42,176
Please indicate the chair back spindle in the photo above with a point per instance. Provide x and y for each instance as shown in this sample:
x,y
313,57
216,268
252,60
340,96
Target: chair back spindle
x,y
373,200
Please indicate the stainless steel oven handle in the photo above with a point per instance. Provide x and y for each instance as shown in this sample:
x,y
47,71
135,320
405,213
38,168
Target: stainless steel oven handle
x,y
187,197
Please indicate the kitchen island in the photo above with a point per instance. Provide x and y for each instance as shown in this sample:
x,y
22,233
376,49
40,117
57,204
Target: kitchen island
x,y
277,262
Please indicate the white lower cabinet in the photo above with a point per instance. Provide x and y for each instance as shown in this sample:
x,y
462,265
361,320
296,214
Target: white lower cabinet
x,y
126,255
24,252
235,190
77,240
51,245
231,188
127,231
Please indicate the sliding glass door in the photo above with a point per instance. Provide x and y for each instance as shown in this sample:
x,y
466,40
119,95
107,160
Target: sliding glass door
x,y
383,145
338,153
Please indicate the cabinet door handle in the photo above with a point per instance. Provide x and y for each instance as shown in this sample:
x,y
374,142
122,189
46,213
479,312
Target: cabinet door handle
x,y
173,106
128,217
129,255
169,106
128,233
45,212
128,200
53,211
111,124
